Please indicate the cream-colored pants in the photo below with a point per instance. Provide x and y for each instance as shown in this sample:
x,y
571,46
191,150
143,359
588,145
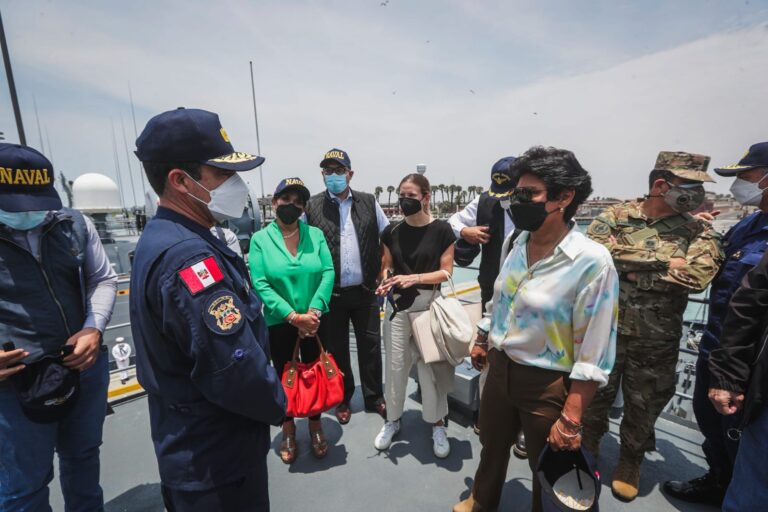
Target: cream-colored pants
x,y
435,379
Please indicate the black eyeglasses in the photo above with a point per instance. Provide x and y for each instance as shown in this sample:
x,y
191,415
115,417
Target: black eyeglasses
x,y
335,170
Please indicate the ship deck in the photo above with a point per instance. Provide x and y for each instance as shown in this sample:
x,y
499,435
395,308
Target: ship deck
x,y
407,477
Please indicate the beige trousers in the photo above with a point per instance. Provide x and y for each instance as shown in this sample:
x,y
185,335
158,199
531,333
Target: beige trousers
x,y
435,379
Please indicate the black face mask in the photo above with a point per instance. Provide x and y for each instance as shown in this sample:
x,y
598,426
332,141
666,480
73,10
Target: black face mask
x,y
288,213
528,216
409,206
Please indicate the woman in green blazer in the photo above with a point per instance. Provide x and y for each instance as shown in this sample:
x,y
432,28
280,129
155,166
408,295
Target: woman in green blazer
x,y
292,273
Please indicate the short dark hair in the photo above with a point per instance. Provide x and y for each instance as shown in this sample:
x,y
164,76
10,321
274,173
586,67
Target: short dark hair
x,y
560,172
157,173
659,174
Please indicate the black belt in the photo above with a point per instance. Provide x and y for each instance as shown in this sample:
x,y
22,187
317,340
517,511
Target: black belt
x,y
338,290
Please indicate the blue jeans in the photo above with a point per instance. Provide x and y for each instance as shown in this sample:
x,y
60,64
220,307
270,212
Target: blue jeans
x,y
719,449
748,489
26,449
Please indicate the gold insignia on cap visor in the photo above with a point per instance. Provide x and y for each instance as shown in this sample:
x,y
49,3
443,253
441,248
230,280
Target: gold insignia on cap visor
x,y
224,135
234,158
26,177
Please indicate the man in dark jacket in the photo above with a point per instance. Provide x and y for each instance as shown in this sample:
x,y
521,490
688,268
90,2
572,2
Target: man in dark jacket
x,y
352,222
739,382
202,351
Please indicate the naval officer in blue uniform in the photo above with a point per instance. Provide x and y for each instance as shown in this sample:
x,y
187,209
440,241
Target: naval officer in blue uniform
x,y
201,340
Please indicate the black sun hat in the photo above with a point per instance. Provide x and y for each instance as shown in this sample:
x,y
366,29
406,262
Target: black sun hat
x,y
568,480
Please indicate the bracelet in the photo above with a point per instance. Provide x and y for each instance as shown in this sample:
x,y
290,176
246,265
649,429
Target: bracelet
x,y
569,421
568,436
291,317
418,278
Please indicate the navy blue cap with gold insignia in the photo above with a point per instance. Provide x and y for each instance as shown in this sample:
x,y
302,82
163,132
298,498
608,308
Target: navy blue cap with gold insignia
x,y
191,135
293,184
502,179
336,155
26,180
756,156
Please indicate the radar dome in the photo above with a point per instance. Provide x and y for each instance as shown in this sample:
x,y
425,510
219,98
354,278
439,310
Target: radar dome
x,y
95,193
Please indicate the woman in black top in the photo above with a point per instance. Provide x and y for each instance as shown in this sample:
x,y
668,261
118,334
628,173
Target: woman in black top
x,y
417,255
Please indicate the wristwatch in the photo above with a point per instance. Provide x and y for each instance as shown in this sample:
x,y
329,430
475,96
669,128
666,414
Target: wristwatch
x,y
317,312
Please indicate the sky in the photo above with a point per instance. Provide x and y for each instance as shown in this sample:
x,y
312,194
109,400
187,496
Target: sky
x,y
453,84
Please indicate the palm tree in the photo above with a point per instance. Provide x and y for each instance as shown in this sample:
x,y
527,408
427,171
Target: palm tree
x,y
441,187
451,192
458,195
471,190
433,190
479,190
462,197
390,189
377,192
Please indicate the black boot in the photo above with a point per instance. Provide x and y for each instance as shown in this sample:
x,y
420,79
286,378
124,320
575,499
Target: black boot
x,y
705,489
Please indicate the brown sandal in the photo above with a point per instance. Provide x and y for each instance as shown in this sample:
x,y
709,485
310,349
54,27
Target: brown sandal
x,y
288,447
317,438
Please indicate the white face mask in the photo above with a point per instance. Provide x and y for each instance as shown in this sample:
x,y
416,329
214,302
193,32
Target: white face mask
x,y
746,192
228,200
23,221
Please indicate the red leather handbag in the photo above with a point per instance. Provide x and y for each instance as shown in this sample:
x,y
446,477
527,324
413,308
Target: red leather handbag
x,y
312,388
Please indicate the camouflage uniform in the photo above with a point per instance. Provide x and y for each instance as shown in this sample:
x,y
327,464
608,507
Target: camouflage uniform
x,y
651,307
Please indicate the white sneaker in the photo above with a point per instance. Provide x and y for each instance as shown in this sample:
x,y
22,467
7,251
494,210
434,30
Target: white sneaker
x,y
440,444
387,432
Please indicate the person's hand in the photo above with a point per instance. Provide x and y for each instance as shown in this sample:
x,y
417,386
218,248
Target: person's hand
x,y
401,281
563,437
382,290
86,343
476,235
306,323
676,262
479,354
726,402
707,216
10,358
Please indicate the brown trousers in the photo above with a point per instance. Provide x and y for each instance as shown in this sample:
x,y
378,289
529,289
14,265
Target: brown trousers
x,y
515,396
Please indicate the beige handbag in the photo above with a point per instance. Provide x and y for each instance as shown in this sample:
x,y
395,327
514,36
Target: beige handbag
x,y
444,332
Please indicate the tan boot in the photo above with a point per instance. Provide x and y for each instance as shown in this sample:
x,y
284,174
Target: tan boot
x,y
468,505
626,478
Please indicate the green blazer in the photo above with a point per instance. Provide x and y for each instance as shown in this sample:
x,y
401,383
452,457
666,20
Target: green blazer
x,y
288,283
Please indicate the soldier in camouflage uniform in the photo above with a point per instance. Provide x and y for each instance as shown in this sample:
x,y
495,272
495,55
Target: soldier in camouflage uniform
x,y
662,254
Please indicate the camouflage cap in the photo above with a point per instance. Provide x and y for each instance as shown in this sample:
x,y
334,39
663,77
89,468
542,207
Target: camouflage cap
x,y
688,166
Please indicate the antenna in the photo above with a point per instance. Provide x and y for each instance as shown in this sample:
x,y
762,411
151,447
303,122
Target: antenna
x,y
39,131
128,158
256,120
136,136
117,164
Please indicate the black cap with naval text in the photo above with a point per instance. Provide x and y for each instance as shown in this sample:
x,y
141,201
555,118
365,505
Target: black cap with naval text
x,y
26,180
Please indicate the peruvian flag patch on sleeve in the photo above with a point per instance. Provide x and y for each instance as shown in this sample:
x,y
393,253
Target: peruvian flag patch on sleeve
x,y
201,275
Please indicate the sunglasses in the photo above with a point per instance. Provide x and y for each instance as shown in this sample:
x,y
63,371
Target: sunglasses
x,y
340,171
391,300
524,194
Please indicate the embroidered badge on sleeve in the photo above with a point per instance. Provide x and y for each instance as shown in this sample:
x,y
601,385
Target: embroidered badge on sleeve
x,y
202,275
222,314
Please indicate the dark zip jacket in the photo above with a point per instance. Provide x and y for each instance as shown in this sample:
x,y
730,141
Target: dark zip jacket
x,y
741,363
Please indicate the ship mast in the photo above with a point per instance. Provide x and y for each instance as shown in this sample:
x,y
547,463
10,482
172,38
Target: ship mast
x,y
11,84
